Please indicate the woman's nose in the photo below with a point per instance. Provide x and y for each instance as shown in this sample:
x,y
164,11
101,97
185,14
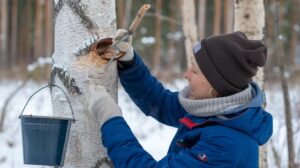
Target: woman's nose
x,y
187,74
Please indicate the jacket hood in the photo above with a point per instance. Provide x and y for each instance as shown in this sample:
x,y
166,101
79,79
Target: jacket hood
x,y
254,121
250,118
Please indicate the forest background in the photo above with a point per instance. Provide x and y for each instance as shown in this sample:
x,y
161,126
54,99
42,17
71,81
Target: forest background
x,y
26,46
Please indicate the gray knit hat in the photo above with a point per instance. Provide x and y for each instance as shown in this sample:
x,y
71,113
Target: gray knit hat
x,y
229,61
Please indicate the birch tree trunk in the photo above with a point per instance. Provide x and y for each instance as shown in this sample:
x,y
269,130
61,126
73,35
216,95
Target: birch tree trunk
x,y
3,33
228,16
189,28
250,18
201,18
78,23
217,17
156,58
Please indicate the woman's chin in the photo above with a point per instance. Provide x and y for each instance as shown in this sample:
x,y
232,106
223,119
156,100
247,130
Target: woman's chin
x,y
191,97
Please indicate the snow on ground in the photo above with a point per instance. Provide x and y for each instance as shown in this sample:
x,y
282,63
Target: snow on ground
x,y
153,136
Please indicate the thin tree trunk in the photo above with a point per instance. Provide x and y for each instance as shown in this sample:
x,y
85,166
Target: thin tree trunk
x,y
75,22
201,18
217,17
37,50
287,109
49,28
156,58
250,19
127,13
3,34
6,103
294,34
228,16
270,35
189,28
276,155
28,34
48,34
22,36
284,84
121,13
171,42
13,33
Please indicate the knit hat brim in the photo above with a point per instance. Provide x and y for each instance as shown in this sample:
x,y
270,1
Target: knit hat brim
x,y
214,78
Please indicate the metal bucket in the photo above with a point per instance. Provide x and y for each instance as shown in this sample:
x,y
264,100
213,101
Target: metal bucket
x,y
45,138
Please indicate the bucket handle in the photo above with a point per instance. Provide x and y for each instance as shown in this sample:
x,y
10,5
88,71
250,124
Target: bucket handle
x,y
44,88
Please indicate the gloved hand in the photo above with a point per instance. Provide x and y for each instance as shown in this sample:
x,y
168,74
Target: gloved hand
x,y
124,46
100,104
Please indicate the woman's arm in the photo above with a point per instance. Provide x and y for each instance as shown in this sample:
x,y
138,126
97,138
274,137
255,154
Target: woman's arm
x,y
149,94
125,151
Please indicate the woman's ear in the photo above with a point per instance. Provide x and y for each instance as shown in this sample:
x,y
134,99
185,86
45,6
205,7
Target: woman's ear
x,y
213,93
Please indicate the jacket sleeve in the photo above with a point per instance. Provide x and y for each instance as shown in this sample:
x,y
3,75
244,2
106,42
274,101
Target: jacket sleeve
x,y
125,151
149,94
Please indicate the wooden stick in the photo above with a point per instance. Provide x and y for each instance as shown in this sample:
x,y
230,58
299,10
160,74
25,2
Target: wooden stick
x,y
138,18
135,23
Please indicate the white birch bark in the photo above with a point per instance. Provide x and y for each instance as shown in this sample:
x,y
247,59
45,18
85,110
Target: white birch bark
x,y
201,18
76,21
189,28
250,18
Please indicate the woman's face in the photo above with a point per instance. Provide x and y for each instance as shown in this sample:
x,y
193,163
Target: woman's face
x,y
199,87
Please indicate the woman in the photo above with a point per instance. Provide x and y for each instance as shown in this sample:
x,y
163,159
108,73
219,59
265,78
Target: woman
x,y
219,115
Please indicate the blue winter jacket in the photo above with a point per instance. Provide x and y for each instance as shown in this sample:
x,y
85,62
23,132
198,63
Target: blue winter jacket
x,y
199,142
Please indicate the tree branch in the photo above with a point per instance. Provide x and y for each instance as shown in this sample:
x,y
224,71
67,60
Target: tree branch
x,y
7,101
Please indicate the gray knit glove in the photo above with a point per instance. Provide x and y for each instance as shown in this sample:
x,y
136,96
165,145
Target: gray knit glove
x,y
101,105
124,46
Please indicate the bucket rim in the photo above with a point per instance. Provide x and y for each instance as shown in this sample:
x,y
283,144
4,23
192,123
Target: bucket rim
x,y
46,117
49,85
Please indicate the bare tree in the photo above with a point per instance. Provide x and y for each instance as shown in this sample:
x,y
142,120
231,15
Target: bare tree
x,y
201,18
13,33
127,15
276,155
156,57
7,101
171,41
217,17
121,13
27,35
81,23
228,16
189,28
282,62
39,14
48,31
294,33
3,33
250,19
